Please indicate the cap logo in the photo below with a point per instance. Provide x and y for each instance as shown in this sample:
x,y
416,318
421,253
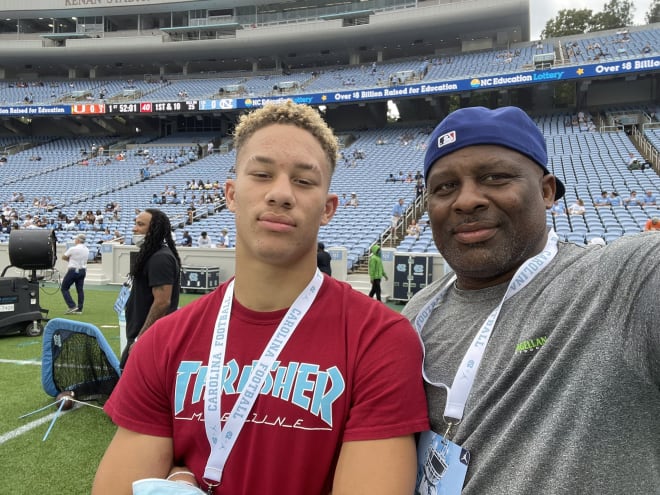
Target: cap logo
x,y
447,138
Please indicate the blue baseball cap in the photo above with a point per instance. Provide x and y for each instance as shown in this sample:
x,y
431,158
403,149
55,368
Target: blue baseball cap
x,y
507,126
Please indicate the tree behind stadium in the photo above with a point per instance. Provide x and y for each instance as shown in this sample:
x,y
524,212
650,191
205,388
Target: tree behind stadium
x,y
615,14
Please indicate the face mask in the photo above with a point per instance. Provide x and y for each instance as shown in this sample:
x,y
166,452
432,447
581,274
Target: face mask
x,y
154,486
138,239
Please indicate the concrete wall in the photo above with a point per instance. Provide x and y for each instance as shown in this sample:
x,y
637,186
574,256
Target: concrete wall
x,y
116,259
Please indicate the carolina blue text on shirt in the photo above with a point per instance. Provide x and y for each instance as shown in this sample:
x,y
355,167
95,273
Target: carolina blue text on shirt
x,y
303,384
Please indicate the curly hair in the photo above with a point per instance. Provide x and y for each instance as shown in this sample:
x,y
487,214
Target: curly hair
x,y
302,116
160,230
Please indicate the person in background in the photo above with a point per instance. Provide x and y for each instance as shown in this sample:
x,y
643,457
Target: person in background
x,y
204,240
557,208
577,208
106,236
634,163
569,345
633,200
615,199
76,257
323,259
118,237
648,198
279,364
652,224
420,189
414,229
602,200
398,210
376,272
224,241
186,240
155,276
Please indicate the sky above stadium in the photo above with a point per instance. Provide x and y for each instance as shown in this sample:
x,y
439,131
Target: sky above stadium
x,y
544,10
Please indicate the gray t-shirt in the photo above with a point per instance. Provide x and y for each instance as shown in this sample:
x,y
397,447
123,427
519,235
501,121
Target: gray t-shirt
x,y
567,397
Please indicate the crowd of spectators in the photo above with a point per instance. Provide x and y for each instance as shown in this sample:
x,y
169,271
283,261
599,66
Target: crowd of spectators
x,y
581,121
46,212
407,177
614,199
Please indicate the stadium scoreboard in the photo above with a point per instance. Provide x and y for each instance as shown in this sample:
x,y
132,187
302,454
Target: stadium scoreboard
x,y
176,106
153,107
122,108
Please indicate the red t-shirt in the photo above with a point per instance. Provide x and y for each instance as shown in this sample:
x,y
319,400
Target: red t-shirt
x,y
351,371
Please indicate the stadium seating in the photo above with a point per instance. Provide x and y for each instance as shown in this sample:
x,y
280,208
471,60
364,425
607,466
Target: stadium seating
x,y
573,50
588,162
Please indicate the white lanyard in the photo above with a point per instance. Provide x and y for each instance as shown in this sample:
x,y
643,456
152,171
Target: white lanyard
x,y
222,439
457,395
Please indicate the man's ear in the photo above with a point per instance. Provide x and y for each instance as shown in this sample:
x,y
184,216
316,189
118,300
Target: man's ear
x,y
549,188
230,195
331,203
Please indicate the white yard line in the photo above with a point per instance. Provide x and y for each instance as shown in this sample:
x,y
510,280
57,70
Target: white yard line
x,y
37,422
27,427
19,361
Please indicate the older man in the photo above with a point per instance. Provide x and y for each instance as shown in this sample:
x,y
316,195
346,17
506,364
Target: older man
x,y
76,257
541,356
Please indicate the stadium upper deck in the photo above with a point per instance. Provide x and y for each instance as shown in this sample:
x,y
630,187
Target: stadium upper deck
x,y
625,53
81,38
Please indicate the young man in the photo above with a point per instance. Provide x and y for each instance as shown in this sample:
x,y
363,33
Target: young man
x,y
564,397
76,257
318,386
155,276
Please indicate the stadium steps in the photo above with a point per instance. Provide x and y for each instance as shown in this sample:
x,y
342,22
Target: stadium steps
x,y
95,275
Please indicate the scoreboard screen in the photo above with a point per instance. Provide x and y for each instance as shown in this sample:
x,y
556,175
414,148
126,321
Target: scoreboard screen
x,y
153,107
88,108
122,107
176,106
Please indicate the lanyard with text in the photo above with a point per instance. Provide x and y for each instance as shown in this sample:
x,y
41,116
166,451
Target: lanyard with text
x,y
222,439
457,395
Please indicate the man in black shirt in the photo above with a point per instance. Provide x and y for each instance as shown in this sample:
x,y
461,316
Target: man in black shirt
x,y
155,276
323,259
